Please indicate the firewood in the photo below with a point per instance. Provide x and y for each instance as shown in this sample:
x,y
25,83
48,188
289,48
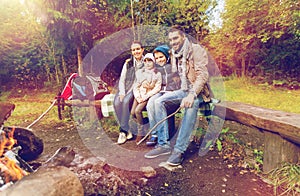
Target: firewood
x,y
50,181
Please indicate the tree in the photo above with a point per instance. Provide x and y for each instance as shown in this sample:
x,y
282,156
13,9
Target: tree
x,y
20,40
252,29
193,16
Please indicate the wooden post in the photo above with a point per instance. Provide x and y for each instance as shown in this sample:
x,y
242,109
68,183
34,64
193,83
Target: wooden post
x,y
278,150
58,105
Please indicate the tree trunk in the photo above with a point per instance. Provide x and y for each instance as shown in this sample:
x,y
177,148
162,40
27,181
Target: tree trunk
x,y
243,71
47,68
132,18
79,58
57,69
63,63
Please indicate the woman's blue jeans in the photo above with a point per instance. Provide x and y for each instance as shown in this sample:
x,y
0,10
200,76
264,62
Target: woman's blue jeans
x,y
122,110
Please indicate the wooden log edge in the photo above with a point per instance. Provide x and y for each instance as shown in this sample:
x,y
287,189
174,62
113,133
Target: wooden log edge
x,y
50,181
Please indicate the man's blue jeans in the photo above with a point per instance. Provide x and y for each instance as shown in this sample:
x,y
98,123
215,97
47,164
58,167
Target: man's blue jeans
x,y
187,123
151,111
122,110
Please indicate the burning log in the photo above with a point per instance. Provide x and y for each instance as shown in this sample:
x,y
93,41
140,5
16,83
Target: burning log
x,y
10,170
31,145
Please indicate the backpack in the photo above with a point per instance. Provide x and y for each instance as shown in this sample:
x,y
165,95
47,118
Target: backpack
x,y
89,88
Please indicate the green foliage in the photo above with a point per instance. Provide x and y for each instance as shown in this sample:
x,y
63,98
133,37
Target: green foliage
x,y
20,45
258,38
43,40
225,135
193,16
258,154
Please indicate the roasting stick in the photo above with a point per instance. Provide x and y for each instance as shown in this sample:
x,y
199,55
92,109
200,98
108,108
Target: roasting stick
x,y
148,133
41,116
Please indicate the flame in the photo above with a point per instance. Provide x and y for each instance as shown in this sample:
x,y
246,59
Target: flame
x,y
7,142
11,171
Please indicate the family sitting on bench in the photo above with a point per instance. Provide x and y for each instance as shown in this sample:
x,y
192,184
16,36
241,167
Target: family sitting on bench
x,y
182,83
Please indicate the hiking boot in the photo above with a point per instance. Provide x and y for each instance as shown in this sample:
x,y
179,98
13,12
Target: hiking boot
x,y
122,138
158,151
152,141
129,135
175,159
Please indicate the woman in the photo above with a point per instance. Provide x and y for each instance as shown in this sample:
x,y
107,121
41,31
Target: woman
x,y
124,97
170,82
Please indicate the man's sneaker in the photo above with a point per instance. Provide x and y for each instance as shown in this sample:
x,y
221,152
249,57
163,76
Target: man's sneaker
x,y
175,159
158,151
122,138
129,135
152,141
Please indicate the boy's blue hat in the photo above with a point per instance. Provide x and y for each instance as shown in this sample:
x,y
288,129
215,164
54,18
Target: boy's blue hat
x,y
163,49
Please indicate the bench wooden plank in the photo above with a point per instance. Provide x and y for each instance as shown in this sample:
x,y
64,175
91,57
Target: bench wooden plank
x,y
83,103
284,123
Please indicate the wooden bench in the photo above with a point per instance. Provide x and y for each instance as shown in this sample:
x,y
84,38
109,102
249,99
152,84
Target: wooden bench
x,y
281,130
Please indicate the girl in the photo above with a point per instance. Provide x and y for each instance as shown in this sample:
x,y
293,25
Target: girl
x,y
148,83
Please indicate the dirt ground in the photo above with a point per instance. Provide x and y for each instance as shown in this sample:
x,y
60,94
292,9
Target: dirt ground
x,y
211,174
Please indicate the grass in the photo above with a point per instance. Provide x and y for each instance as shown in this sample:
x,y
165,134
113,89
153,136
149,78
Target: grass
x,y
31,104
244,90
285,179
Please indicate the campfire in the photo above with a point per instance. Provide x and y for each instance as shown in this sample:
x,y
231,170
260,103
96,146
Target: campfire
x,y
64,173
18,178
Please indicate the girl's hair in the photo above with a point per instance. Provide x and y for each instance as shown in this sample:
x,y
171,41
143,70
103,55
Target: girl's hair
x,y
137,42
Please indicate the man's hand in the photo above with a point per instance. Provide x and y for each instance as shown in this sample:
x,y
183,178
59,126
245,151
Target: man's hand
x,y
188,101
121,97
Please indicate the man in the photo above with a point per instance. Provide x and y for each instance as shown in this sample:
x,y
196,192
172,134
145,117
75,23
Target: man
x,y
124,98
190,61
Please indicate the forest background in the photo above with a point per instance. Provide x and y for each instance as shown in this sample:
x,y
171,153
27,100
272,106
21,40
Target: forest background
x,y
43,41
